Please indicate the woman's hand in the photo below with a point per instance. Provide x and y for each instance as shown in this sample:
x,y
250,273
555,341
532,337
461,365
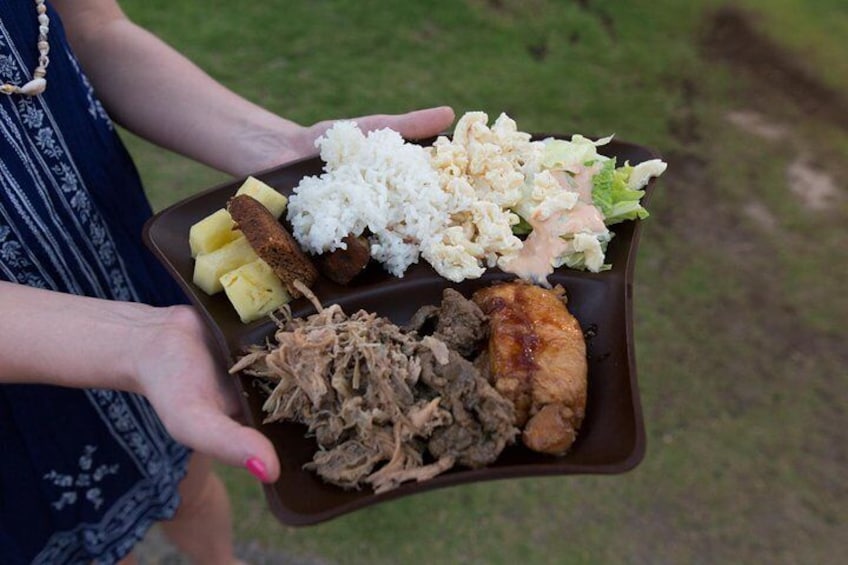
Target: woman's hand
x,y
418,124
193,394
297,142
162,353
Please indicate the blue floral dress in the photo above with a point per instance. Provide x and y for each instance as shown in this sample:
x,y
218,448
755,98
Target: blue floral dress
x,y
83,473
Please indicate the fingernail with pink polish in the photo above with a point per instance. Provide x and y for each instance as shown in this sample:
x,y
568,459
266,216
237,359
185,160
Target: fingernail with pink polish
x,y
257,469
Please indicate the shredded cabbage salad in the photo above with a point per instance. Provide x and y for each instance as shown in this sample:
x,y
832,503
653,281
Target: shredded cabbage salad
x,y
569,219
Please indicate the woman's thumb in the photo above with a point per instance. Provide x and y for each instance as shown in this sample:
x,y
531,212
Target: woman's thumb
x,y
217,435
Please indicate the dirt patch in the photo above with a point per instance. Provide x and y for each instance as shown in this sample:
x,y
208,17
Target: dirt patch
x,y
815,188
732,36
761,216
757,124
683,123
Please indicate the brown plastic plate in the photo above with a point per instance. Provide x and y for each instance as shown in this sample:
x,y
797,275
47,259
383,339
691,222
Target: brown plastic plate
x,y
612,437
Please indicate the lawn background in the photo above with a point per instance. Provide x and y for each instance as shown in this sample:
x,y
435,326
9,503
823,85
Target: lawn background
x,y
739,297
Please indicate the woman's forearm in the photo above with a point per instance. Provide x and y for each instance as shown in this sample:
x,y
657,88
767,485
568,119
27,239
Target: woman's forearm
x,y
54,338
155,92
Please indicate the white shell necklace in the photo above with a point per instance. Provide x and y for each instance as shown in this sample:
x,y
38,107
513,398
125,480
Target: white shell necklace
x,y
38,83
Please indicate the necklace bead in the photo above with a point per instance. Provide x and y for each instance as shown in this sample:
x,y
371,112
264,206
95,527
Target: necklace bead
x,y
39,81
34,87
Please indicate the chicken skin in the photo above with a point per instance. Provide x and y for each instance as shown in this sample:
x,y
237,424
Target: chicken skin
x,y
537,359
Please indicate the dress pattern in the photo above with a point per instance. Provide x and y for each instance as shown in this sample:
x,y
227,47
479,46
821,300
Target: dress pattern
x,y
83,473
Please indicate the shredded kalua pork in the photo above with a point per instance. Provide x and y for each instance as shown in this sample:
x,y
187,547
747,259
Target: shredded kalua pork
x,y
385,404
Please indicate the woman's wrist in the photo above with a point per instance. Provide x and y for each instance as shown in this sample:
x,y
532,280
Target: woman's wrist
x,y
157,337
137,329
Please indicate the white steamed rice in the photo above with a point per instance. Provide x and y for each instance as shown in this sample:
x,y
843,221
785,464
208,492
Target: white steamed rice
x,y
375,181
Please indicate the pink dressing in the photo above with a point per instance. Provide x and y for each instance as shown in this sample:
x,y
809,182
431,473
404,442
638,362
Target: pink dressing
x,y
578,178
581,218
534,260
545,243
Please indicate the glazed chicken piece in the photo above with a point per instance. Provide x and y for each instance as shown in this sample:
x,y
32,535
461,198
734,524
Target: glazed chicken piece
x,y
537,359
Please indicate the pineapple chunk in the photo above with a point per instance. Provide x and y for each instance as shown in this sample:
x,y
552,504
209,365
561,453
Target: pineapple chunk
x,y
267,196
212,232
254,290
208,267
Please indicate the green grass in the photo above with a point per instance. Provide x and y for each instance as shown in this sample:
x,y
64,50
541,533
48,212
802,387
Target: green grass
x,y
739,326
